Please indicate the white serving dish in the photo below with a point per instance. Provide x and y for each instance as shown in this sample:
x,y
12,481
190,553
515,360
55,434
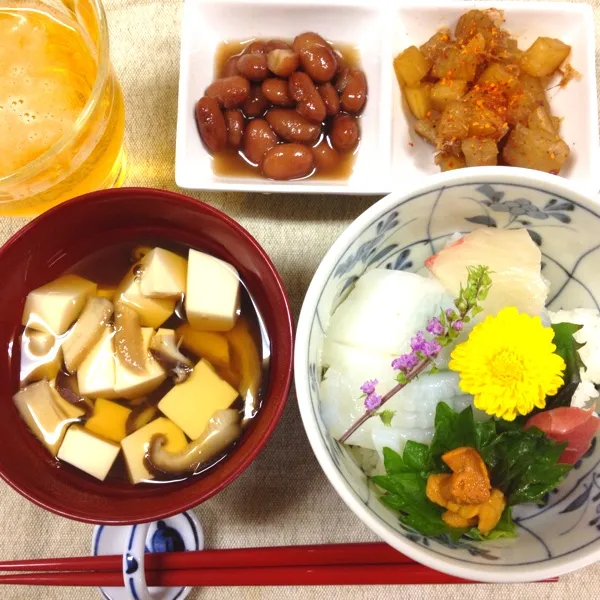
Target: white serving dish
x,y
577,102
389,153
400,232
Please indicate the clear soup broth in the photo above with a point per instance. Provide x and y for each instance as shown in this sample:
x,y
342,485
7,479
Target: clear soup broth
x,y
142,364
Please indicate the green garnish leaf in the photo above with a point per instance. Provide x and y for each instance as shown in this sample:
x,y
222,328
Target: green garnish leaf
x,y
452,430
416,456
401,378
522,463
406,494
386,417
505,528
393,462
567,348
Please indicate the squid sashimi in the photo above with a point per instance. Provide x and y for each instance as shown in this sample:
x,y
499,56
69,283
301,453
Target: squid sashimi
x,y
573,425
368,330
414,407
383,310
513,259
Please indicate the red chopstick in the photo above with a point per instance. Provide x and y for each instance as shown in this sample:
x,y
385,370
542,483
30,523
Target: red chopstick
x,y
411,573
328,564
278,556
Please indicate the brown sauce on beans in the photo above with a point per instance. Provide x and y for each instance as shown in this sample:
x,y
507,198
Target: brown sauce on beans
x,y
231,162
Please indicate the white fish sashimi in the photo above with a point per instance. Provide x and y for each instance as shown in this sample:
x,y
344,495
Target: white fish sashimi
x,y
512,257
385,309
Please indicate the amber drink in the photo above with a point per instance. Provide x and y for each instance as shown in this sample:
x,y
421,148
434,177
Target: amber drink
x,y
61,106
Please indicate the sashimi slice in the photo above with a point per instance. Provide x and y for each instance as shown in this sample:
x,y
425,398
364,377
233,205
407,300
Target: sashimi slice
x,y
575,426
396,437
385,309
414,406
513,258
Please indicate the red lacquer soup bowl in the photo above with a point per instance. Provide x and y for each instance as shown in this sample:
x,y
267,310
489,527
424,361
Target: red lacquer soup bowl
x,y
53,243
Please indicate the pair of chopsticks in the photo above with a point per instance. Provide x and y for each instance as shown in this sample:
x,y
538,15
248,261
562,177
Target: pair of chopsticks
x,y
329,564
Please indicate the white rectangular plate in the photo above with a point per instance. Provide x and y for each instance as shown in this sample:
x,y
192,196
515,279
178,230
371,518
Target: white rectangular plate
x,y
390,153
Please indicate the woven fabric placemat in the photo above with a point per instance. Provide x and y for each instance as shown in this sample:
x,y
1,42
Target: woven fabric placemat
x,y
283,498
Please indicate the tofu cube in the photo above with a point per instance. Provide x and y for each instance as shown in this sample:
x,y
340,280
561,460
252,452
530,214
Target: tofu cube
x,y
164,274
41,356
96,374
135,446
88,452
108,420
55,306
153,311
191,404
212,298
132,385
37,409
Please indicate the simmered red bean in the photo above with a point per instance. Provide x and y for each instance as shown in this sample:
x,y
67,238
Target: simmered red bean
x,y
234,121
287,161
330,99
342,79
256,104
342,65
344,133
211,124
276,45
258,138
258,47
292,126
253,66
303,91
308,38
229,92
354,94
290,108
319,62
325,157
230,67
283,62
277,92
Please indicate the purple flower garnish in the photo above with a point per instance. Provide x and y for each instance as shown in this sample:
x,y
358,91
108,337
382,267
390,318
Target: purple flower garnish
x,y
435,326
368,387
457,325
405,362
449,312
416,343
372,401
431,348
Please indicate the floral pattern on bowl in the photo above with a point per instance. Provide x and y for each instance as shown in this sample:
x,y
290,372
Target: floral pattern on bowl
x,y
400,232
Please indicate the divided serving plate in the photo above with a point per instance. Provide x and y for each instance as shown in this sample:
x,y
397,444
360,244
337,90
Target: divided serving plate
x,y
390,153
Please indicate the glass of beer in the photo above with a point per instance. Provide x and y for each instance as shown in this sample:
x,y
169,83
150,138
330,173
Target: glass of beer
x,y
61,106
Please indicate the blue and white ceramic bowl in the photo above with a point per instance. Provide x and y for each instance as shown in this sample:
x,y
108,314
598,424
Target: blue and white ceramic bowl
x,y
400,232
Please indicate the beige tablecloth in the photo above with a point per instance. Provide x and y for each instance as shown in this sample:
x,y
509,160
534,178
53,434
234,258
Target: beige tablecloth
x,y
283,498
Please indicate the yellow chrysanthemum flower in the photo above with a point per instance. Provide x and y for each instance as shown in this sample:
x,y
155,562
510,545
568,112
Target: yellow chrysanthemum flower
x,y
509,364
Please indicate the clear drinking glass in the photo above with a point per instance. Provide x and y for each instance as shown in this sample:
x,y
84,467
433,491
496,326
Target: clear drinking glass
x,y
61,106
